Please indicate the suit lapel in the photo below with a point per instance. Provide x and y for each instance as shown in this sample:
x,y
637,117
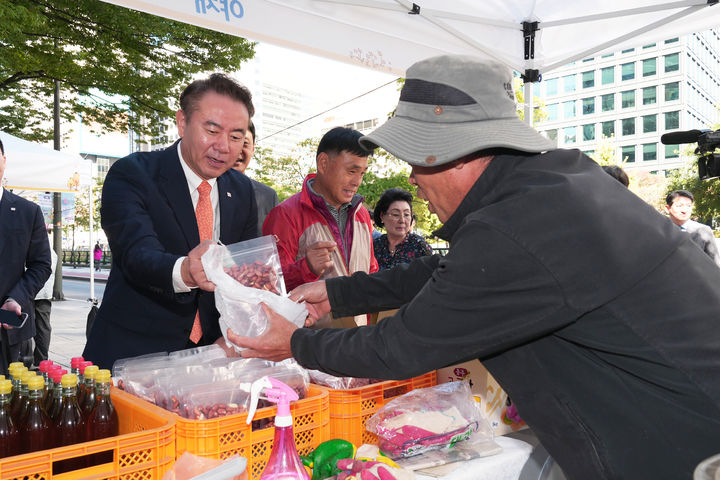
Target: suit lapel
x,y
174,186
227,203
7,218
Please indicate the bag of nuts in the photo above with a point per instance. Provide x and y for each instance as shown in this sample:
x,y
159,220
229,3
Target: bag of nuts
x,y
245,275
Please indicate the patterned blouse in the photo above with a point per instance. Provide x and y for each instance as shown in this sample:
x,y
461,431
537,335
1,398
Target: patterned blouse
x,y
405,252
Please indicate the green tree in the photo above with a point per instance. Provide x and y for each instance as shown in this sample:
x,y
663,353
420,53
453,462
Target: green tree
x,y
285,174
117,68
82,207
605,152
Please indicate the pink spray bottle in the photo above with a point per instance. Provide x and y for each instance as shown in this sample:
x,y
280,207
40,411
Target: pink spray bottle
x,y
284,462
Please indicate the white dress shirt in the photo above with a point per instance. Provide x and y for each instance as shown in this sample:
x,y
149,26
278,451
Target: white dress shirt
x,y
193,181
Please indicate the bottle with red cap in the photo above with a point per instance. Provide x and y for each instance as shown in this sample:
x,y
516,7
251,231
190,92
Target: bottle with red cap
x,y
69,424
81,381
35,427
53,403
75,364
50,384
43,369
9,433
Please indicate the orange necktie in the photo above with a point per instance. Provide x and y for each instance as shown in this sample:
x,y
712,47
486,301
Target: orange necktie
x,y
204,216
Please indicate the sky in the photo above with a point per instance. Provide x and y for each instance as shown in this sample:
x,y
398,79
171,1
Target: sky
x,y
337,81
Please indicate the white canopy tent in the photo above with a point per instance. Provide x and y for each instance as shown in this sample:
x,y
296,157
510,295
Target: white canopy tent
x,y
530,36
34,167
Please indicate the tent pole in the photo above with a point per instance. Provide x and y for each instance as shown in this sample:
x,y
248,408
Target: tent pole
x,y
528,104
92,246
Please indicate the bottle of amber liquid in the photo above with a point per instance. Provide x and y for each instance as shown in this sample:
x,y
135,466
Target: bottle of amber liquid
x,y
9,434
52,404
81,379
50,385
87,393
103,419
35,427
75,364
69,424
19,409
16,374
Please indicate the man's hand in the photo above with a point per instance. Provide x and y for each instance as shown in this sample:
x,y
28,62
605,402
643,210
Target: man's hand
x,y
229,351
316,300
192,270
318,257
12,306
273,344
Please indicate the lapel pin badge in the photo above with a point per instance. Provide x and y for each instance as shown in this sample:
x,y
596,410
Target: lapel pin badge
x,y
12,209
229,194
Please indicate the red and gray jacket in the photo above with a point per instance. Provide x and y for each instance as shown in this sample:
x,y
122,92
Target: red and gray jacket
x,y
304,219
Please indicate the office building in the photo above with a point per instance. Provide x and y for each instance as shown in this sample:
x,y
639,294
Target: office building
x,y
635,96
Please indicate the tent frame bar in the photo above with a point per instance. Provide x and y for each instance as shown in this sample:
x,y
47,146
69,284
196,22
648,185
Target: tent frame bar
x,y
622,38
529,27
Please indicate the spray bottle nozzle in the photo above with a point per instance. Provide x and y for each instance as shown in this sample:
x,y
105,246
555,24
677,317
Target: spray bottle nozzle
x,y
276,392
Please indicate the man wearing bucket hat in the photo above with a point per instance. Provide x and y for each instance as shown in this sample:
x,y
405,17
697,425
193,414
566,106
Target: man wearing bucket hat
x,y
561,281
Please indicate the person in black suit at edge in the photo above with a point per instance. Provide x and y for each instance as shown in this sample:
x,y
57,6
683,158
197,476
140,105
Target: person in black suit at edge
x,y
265,196
24,263
157,207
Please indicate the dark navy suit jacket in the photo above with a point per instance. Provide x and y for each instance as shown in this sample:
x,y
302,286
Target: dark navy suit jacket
x,y
24,258
149,220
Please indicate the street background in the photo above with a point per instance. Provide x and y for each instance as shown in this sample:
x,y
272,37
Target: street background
x,y
68,317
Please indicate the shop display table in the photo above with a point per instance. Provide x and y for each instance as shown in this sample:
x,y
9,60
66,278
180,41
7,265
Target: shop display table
x,y
506,465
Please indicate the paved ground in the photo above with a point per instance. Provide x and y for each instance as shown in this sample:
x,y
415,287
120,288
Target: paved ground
x,y
69,317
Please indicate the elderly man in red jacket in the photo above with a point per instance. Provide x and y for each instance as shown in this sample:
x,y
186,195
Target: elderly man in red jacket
x,y
325,231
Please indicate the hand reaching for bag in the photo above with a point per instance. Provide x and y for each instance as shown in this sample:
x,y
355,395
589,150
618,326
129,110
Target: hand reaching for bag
x,y
316,300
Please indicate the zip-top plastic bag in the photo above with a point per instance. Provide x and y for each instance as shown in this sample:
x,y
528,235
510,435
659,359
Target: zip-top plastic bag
x,y
429,419
338,383
226,397
245,275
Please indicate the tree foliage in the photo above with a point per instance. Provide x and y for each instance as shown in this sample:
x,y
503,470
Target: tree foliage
x,y
82,206
117,68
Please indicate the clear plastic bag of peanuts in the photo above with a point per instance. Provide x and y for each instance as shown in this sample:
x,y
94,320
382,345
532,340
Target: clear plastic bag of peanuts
x,y
245,275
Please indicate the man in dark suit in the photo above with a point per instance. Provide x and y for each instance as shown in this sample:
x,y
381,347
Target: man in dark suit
x,y
157,297
24,260
265,197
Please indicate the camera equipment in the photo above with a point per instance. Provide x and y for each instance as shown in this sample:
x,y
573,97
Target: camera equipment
x,y
708,141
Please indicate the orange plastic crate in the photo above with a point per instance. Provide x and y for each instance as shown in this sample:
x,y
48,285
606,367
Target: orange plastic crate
x,y
350,409
230,435
144,449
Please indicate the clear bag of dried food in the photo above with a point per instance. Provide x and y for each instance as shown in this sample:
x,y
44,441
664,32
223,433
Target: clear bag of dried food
x,y
121,364
338,383
245,275
197,355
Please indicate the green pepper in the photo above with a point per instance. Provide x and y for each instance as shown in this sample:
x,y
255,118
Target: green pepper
x,y
323,460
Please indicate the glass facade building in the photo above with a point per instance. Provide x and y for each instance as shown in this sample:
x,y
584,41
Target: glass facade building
x,y
635,96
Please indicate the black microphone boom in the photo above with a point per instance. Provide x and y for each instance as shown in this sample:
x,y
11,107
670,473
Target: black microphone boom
x,y
688,136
